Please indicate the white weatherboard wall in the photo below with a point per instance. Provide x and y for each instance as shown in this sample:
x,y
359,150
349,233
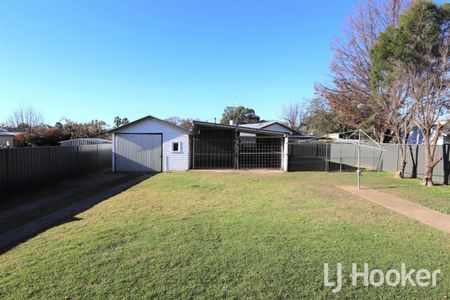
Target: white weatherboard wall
x,y
172,161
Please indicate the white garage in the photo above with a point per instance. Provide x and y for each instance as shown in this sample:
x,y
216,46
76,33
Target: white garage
x,y
150,145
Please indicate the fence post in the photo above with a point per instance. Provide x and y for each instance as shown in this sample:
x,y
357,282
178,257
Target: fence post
x,y
50,171
286,153
78,161
236,150
97,160
398,156
8,189
373,159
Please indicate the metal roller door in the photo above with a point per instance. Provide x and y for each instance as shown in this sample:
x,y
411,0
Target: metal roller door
x,y
138,152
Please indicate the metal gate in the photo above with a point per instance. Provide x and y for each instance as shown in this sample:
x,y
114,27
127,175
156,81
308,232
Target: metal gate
x,y
135,152
238,152
260,152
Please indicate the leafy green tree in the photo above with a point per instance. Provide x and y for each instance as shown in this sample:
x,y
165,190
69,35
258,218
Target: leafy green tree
x,y
417,54
120,122
349,92
117,122
240,114
320,118
59,125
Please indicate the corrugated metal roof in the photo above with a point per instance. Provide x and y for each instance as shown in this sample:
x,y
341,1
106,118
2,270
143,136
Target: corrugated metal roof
x,y
259,125
149,117
84,141
237,127
263,125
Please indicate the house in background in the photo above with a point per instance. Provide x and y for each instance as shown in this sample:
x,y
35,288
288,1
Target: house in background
x,y
6,140
84,141
416,137
271,126
7,135
150,144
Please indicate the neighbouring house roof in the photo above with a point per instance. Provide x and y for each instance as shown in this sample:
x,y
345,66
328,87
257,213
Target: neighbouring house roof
x,y
266,124
11,131
3,133
416,136
150,118
84,141
239,128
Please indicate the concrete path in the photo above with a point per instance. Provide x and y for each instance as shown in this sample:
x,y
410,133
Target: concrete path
x,y
412,210
23,232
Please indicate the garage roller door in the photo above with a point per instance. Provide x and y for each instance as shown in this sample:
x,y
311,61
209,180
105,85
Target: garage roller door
x,y
138,152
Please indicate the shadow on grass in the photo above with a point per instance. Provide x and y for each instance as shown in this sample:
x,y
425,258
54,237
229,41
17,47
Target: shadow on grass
x,y
32,223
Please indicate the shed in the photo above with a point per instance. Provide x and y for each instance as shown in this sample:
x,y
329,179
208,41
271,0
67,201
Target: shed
x,y
84,141
6,140
150,144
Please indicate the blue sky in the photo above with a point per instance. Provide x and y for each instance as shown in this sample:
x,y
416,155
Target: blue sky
x,y
98,59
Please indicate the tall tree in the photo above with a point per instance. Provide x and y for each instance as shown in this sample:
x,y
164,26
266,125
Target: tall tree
x,y
419,49
427,27
184,123
320,118
26,118
350,91
120,122
240,114
392,97
293,114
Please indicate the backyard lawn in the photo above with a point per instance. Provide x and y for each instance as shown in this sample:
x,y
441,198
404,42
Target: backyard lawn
x,y
232,235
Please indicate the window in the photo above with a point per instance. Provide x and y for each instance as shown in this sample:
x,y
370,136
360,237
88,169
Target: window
x,y
176,147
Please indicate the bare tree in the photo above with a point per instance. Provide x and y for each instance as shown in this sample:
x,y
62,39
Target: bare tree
x,y
26,118
350,90
397,106
294,115
184,123
431,95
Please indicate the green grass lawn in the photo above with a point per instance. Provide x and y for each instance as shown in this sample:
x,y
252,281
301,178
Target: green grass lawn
x,y
213,235
436,197
63,202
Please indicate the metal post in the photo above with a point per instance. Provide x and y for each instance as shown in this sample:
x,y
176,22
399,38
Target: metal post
x,y
340,160
236,149
358,172
286,153
193,151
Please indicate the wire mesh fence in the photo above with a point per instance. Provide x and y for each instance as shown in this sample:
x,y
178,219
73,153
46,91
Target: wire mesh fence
x,y
242,152
335,156
260,152
213,153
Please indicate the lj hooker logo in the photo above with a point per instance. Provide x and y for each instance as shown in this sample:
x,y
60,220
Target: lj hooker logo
x,y
377,277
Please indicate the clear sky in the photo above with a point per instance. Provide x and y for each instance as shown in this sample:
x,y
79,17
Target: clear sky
x,y
98,59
